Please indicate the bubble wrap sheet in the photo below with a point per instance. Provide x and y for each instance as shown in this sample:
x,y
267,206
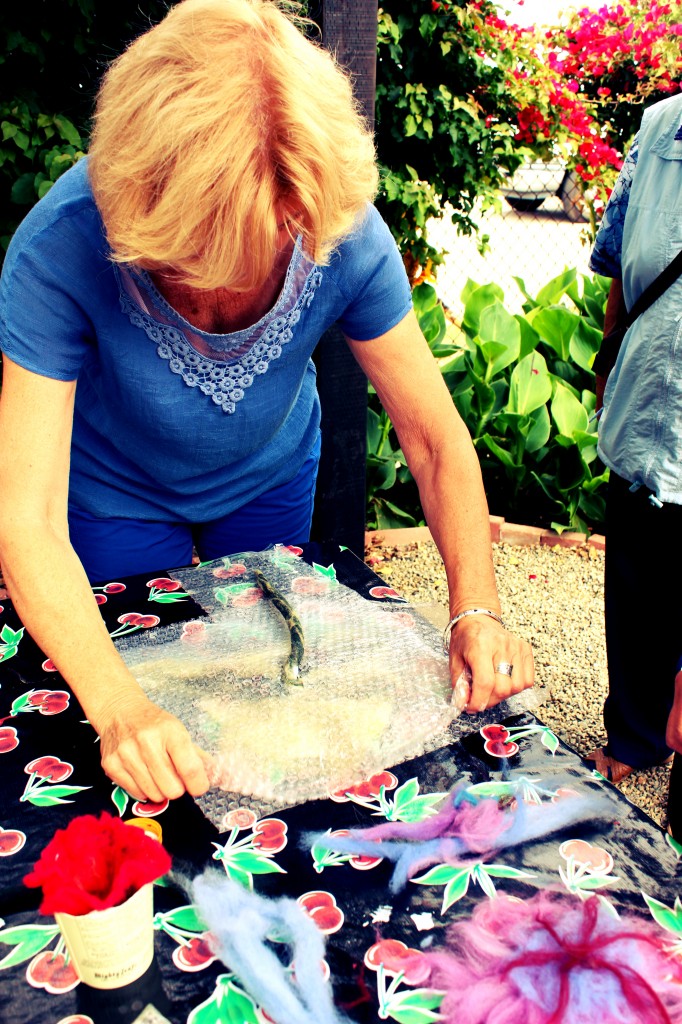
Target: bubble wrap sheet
x,y
374,685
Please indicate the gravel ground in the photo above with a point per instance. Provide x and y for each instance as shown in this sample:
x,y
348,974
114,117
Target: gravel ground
x,y
553,597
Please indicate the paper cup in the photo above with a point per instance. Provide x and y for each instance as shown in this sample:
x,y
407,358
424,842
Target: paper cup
x,y
114,947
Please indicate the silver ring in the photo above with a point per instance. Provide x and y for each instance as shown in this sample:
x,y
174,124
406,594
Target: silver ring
x,y
504,669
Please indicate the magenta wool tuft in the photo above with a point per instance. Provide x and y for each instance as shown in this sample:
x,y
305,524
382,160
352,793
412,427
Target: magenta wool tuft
x,y
556,960
467,826
478,823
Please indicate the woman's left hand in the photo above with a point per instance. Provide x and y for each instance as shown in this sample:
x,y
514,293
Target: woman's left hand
x,y
500,663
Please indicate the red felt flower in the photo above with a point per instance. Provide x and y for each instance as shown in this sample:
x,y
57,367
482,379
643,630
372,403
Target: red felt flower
x,y
95,863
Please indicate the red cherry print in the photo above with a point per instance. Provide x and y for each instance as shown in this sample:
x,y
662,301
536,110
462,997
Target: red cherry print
x,y
11,841
564,793
396,957
364,863
380,592
366,790
318,897
38,696
130,619
193,633
247,597
114,588
386,779
309,586
270,835
196,955
101,598
149,620
240,817
362,790
54,702
321,907
193,627
293,549
1,609
593,857
498,748
163,583
76,1018
49,768
149,809
51,972
327,919
8,739
229,572
495,732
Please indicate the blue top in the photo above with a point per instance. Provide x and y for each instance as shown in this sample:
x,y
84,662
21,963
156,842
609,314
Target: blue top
x,y
640,431
606,255
170,422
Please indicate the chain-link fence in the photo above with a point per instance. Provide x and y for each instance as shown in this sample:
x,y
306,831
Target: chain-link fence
x,y
539,230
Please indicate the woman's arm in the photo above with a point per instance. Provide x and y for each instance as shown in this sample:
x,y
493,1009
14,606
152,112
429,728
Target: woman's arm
x,y
443,461
144,749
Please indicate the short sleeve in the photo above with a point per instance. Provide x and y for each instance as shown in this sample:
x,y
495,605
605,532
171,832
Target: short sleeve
x,y
608,246
43,324
372,278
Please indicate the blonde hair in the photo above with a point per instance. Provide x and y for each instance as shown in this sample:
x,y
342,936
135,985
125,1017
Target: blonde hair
x,y
212,129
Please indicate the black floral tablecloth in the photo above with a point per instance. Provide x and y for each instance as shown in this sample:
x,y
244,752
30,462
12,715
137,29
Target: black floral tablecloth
x,y
51,772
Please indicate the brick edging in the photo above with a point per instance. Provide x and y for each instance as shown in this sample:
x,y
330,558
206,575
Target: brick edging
x,y
500,531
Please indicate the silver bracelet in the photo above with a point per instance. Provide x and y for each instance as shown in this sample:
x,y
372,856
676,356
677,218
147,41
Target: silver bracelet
x,y
462,615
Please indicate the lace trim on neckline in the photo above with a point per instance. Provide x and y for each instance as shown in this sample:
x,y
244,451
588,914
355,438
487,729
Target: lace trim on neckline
x,y
222,366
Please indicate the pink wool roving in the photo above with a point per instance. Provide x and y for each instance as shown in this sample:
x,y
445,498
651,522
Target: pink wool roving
x,y
555,960
466,826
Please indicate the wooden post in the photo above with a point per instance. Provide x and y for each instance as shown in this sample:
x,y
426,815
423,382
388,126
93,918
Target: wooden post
x,y
349,30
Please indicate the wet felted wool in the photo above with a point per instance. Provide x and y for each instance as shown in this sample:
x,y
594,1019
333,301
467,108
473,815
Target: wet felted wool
x,y
554,959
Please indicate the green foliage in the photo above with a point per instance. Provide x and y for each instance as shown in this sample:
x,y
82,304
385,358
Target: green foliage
x,y
525,388
51,57
436,93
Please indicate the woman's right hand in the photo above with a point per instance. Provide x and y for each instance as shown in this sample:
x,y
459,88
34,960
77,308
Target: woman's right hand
x,y
144,749
148,752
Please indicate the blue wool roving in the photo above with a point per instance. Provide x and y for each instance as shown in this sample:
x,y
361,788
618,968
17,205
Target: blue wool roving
x,y
241,923
466,827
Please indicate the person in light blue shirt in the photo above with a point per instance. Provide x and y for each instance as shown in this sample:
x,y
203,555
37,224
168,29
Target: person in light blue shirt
x,y
640,440
158,311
